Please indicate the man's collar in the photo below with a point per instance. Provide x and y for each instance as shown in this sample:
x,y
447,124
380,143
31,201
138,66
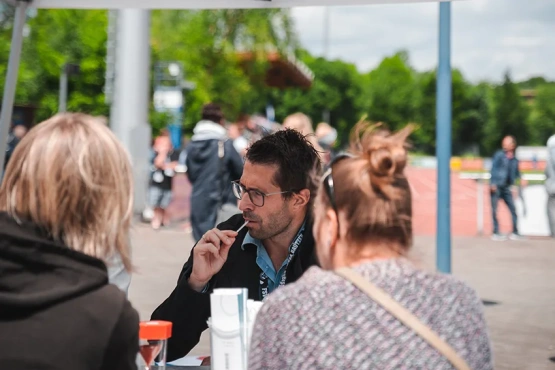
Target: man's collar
x,y
249,240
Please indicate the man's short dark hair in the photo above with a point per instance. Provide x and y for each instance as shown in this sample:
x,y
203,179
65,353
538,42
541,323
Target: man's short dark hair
x,y
298,163
212,112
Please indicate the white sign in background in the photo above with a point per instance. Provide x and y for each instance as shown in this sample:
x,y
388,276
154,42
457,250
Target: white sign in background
x,y
534,221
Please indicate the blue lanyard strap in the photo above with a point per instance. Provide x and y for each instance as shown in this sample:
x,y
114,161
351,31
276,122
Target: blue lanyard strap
x,y
292,250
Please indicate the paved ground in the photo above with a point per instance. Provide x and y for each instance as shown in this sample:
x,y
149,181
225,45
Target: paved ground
x,y
519,276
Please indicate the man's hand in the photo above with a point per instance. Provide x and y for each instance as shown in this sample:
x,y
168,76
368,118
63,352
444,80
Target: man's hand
x,y
209,256
493,188
523,183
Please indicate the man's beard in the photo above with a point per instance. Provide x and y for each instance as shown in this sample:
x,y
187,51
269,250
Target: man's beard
x,y
273,225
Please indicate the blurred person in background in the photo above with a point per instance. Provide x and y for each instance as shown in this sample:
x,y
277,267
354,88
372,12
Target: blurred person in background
x,y
327,136
65,211
165,160
240,134
363,227
212,163
550,184
504,174
18,132
302,123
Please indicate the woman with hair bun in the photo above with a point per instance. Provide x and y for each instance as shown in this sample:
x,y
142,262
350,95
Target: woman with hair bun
x,y
368,306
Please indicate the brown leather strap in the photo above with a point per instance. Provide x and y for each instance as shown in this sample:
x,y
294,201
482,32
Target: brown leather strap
x,y
403,315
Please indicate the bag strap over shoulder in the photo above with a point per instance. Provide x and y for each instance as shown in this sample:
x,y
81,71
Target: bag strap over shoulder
x,y
404,316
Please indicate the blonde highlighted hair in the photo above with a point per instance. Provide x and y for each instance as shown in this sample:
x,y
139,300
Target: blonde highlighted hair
x,y
71,176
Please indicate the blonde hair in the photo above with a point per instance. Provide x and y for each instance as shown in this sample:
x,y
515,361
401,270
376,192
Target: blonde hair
x,y
71,176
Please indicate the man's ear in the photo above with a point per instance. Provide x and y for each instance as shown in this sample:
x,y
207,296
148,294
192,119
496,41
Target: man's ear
x,y
301,198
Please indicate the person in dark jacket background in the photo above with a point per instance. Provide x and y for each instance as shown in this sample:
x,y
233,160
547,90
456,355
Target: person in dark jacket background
x,y
276,192
212,163
65,210
504,173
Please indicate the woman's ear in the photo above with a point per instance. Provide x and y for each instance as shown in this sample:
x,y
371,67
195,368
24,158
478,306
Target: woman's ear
x,y
329,240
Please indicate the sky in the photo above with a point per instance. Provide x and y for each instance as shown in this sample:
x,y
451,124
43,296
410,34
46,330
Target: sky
x,y
489,37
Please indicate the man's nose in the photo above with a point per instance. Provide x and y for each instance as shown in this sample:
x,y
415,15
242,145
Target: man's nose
x,y
245,203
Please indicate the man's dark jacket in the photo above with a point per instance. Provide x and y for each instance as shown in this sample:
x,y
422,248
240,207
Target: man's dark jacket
x,y
189,310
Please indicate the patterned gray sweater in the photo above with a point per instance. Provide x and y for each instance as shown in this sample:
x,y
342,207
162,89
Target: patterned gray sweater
x,y
325,322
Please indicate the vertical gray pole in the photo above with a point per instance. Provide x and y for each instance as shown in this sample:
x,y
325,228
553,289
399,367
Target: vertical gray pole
x,y
62,102
11,80
326,115
326,31
443,141
129,113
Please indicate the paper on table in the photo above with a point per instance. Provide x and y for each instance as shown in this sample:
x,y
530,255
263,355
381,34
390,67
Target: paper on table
x,y
188,361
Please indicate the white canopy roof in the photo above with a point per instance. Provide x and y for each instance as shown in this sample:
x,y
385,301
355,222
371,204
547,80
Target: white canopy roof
x,y
206,4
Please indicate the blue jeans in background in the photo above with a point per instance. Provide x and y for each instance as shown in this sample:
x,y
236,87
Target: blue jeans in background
x,y
504,193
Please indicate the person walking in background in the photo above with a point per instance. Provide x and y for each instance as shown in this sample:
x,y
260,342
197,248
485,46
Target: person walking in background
x,y
550,184
212,163
164,161
65,212
363,227
504,174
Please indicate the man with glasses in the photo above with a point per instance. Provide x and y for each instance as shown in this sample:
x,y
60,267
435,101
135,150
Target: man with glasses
x,y
275,194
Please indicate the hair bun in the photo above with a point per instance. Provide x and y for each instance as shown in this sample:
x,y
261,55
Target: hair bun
x,y
385,153
381,162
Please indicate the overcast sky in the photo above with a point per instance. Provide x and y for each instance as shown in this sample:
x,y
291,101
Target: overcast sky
x,y
489,36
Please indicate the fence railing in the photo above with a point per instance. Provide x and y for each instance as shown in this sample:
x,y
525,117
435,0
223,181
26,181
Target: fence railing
x,y
481,178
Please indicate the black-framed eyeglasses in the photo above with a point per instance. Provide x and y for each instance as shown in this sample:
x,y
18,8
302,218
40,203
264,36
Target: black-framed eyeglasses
x,y
327,178
256,196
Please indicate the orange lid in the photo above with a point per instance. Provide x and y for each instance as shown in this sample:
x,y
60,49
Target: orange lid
x,y
155,330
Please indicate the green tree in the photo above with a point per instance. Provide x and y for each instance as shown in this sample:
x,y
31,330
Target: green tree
x,y
469,114
57,37
208,42
510,115
390,92
543,115
336,89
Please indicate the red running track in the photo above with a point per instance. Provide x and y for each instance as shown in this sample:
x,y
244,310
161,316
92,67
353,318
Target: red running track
x,y
464,209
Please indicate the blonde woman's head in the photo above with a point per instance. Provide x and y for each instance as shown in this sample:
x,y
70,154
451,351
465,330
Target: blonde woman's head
x,y
71,176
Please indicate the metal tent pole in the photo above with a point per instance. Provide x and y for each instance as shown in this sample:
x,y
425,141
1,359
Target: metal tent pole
x,y
11,79
62,101
131,97
443,141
